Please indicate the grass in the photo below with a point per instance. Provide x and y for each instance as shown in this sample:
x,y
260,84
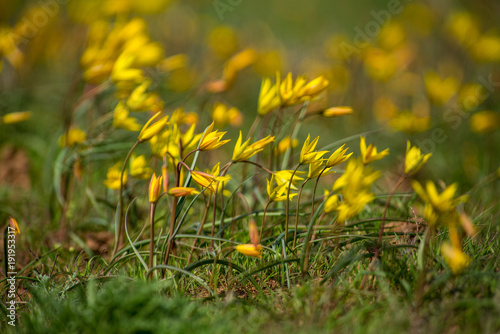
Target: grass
x,y
361,250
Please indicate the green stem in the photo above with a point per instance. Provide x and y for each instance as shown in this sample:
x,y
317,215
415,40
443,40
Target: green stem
x,y
314,191
203,220
287,203
118,241
297,213
295,132
151,233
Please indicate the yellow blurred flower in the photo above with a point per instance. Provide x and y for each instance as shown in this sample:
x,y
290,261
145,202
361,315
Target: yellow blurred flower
x,y
222,115
250,250
113,177
370,154
464,27
471,95
73,137
244,151
408,122
237,63
173,62
16,117
13,224
212,139
180,117
441,203
384,109
337,111
456,259
354,186
155,188
285,144
392,35
139,167
122,120
414,159
141,100
331,202
379,64
486,49
440,90
223,41
485,121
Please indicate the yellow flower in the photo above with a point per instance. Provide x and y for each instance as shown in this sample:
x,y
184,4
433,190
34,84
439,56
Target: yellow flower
x,y
113,177
73,137
278,193
182,191
245,151
283,178
155,188
250,250
285,144
485,121
237,63
173,62
252,231
307,154
313,88
222,115
354,186
139,167
444,202
464,27
331,203
337,111
380,65
438,89
141,100
16,117
369,154
122,120
316,168
486,49
269,98
123,70
471,95
456,259
148,131
338,157
13,224
408,122
207,180
414,159
180,117
289,91
212,139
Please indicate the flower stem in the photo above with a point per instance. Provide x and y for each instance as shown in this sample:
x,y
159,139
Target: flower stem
x,y
151,233
287,203
118,241
297,213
